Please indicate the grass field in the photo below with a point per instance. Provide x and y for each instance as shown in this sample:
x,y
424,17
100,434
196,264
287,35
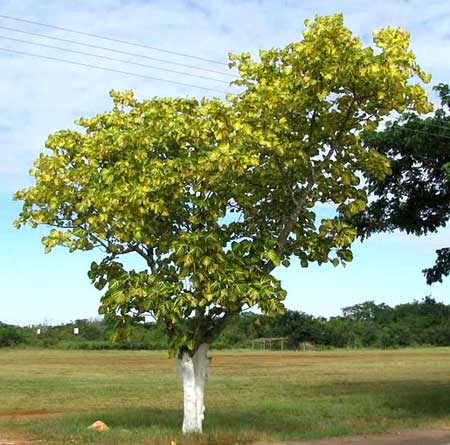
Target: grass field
x,y
52,396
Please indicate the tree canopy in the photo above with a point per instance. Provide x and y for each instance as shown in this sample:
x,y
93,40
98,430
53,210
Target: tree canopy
x,y
415,197
162,178
213,195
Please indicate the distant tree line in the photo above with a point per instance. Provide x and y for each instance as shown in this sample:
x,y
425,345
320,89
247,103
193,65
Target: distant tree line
x,y
93,334
365,325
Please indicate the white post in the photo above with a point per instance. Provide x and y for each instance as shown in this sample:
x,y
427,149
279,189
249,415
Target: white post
x,y
194,374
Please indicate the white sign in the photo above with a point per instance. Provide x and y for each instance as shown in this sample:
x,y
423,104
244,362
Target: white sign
x,y
76,331
38,331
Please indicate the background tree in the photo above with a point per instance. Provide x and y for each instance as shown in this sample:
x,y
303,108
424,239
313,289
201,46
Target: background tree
x,y
415,198
10,335
213,195
368,311
297,327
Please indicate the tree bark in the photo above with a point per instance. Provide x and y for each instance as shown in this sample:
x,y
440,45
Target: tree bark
x,y
194,375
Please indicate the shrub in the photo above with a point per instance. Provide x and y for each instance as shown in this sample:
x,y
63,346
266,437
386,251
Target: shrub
x,y
10,336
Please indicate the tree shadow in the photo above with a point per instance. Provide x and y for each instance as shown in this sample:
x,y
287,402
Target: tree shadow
x,y
339,412
412,399
422,400
143,418
328,410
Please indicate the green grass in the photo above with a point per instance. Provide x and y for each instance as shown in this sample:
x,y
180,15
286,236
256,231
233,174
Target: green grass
x,y
54,395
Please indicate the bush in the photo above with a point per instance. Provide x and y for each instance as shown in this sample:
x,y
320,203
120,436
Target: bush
x,y
11,336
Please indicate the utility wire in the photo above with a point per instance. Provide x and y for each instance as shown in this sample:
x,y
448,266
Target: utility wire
x,y
98,36
426,124
104,48
423,122
423,132
138,64
183,73
142,76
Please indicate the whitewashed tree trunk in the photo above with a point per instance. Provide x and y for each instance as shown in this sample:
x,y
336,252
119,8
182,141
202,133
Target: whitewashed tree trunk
x,y
194,375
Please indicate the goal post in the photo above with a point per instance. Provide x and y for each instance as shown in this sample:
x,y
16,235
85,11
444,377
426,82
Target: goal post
x,y
269,343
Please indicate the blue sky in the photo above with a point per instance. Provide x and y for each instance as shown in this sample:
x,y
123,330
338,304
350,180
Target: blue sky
x,y
40,97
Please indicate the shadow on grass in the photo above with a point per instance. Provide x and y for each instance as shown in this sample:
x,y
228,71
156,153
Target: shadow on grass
x,y
139,426
363,407
166,419
432,401
353,409
415,397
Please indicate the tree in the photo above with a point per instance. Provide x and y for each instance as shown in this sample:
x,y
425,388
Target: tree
x,y
10,335
214,195
298,327
415,198
368,311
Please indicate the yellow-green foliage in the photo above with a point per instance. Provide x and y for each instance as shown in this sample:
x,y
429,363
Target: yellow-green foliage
x,y
214,195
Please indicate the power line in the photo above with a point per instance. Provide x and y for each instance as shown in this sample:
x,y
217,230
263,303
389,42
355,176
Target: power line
x,y
113,59
142,65
104,48
426,124
126,42
143,76
423,132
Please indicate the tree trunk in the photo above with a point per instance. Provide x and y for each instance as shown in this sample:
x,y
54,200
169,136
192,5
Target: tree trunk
x,y
194,374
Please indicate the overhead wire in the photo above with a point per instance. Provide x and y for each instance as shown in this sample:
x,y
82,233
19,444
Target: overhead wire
x,y
135,44
142,76
402,128
426,124
118,51
111,39
113,59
